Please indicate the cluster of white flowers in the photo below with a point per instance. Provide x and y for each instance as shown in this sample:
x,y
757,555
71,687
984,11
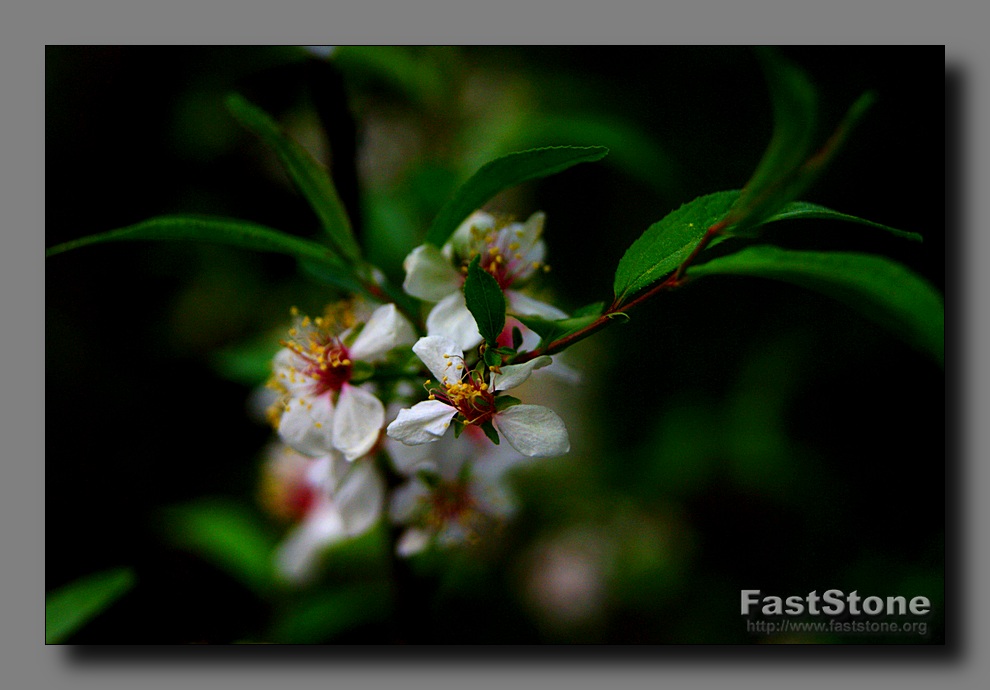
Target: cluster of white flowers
x,y
330,418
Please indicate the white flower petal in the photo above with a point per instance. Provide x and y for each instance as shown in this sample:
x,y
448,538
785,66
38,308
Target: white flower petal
x,y
440,354
306,425
515,374
533,430
424,422
527,306
297,556
360,497
406,501
462,241
385,329
451,318
429,274
530,233
357,421
288,367
412,541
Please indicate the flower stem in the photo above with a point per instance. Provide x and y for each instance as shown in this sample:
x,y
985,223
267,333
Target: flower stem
x,y
616,308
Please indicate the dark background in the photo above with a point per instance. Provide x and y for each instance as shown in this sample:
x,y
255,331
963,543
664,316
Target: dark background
x,y
755,436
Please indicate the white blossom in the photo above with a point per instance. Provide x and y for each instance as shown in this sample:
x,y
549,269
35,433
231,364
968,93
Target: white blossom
x,y
320,410
510,252
533,430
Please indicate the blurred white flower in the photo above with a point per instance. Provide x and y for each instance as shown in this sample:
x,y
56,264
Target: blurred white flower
x,y
455,490
330,498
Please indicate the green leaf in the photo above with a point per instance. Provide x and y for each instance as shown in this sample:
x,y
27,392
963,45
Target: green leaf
x,y
504,402
490,432
249,362
312,179
795,116
502,173
235,233
68,608
492,357
881,289
485,301
326,614
668,242
554,330
227,534
517,338
797,210
788,168
593,309
412,71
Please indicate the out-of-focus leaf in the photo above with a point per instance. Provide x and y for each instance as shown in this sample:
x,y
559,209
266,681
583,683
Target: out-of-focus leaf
x,y
411,71
668,242
68,608
502,173
325,615
788,167
554,330
235,233
312,179
630,150
797,210
249,363
485,301
227,534
881,289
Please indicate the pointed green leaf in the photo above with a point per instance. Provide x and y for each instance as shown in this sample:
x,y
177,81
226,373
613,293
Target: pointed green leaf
x,y
879,288
322,615
492,358
485,301
502,173
517,338
788,167
312,179
71,606
668,242
554,330
227,534
490,432
235,233
504,402
797,210
795,114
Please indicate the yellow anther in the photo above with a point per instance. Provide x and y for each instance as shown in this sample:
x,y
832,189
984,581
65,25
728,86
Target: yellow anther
x,y
536,265
318,425
546,268
432,397
483,386
513,246
518,256
294,311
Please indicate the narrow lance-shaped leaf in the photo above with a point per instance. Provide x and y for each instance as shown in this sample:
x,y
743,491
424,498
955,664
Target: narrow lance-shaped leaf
x,y
795,112
797,210
485,301
68,608
312,179
787,168
235,233
879,288
502,173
